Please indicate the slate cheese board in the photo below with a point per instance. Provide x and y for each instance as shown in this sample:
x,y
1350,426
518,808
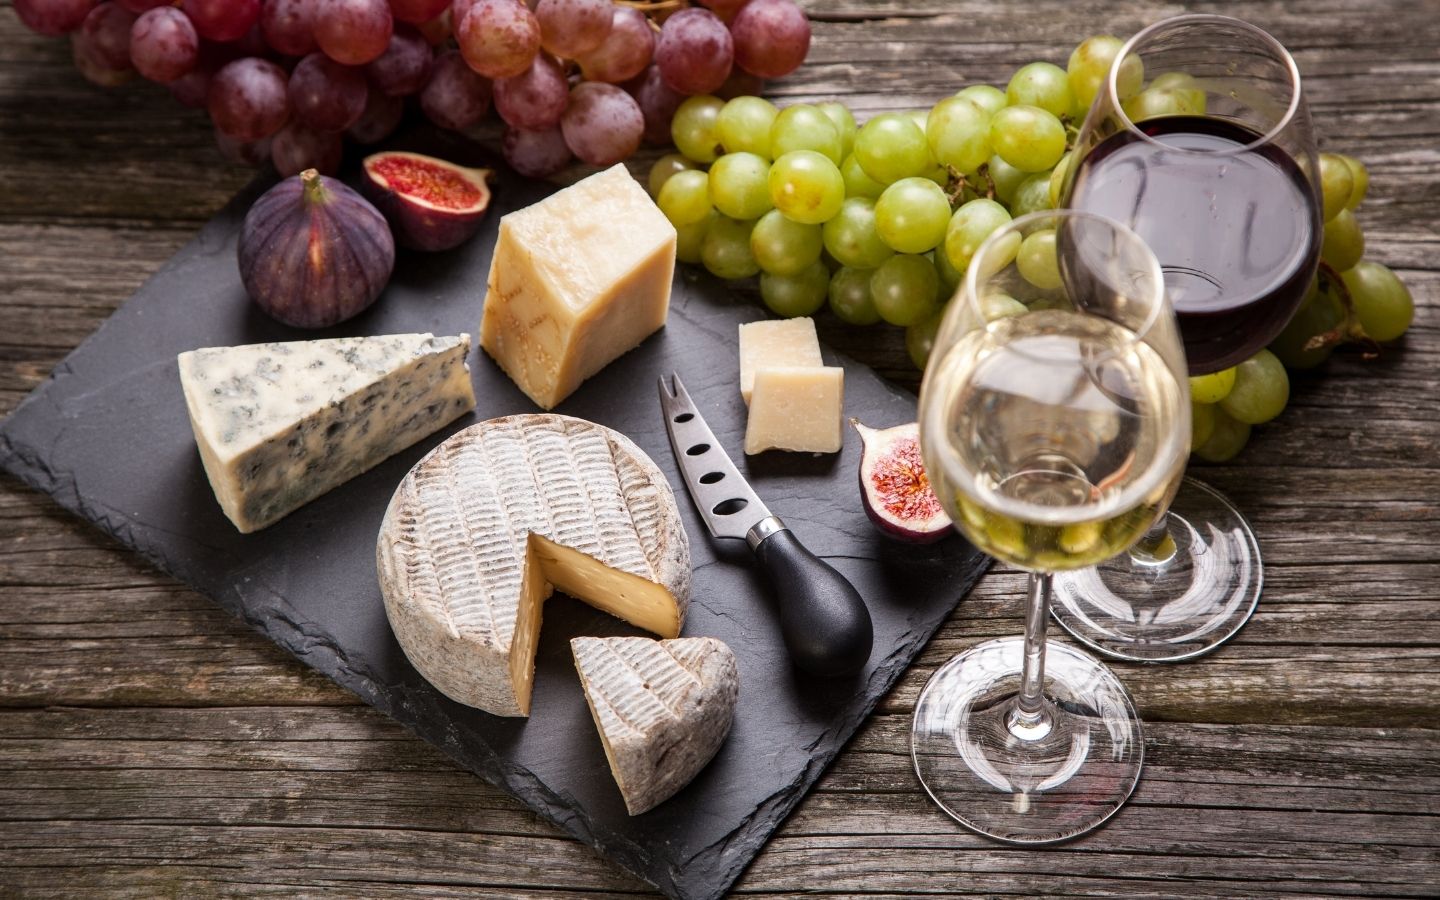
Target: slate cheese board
x,y
108,437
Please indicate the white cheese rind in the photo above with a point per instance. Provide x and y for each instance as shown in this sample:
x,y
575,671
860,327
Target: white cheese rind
x,y
466,553
663,709
280,424
776,342
576,280
796,408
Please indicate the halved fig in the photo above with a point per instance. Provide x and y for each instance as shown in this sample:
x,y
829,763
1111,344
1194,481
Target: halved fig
x,y
894,486
431,204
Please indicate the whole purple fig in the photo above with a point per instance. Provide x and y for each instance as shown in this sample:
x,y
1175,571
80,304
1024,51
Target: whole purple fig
x,y
313,252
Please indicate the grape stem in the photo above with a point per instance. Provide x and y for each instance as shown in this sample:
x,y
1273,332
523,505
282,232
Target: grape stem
x,y
1349,327
959,183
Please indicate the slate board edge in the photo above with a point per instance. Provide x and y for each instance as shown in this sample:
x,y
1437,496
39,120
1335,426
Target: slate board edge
x,y
414,710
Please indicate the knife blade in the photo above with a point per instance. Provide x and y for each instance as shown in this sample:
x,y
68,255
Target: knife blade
x,y
823,619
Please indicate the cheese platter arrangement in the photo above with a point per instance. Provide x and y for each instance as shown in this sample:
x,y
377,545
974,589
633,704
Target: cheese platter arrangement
x,y
660,647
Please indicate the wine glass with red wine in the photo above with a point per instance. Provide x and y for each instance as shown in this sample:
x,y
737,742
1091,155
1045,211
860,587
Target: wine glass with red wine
x,y
1199,140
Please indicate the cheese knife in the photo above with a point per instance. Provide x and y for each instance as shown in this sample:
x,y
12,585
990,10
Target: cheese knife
x,y
823,619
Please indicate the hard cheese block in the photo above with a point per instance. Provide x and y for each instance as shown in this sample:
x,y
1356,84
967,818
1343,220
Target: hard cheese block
x,y
491,521
280,424
776,342
663,709
796,408
576,280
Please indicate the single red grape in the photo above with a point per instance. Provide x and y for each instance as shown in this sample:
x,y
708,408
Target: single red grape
x,y
695,51
222,20
163,44
404,67
92,68
626,51
456,96
248,99
106,31
536,154
536,98
325,95
569,28
603,124
353,32
771,37
53,17
498,38
287,27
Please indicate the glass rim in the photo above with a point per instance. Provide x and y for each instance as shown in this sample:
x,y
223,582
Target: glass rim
x,y
971,287
1112,78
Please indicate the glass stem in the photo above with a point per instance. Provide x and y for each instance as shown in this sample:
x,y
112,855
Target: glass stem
x,y
1030,712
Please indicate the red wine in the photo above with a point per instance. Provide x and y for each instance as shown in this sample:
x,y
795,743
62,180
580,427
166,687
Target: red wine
x,y
1237,235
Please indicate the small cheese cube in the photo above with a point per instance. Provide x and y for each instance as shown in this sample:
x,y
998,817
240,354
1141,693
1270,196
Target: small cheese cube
x,y
796,408
577,280
776,342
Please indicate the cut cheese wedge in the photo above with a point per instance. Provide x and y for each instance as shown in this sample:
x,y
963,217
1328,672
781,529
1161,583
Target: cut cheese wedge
x,y
796,408
496,518
576,280
663,709
776,342
280,424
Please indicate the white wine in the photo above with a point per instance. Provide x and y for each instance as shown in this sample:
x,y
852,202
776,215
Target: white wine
x,y
1054,439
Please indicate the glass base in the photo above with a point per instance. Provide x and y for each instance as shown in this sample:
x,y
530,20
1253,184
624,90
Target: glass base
x,y
1038,785
1176,607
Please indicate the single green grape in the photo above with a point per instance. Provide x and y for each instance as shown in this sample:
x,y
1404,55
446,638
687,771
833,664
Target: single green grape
x,y
1033,195
744,125
806,186
1227,438
1153,103
726,249
1001,306
1055,187
850,298
990,99
851,237
1361,178
1342,243
740,185
1320,312
890,147
912,215
1337,183
694,128
920,338
663,168
1089,67
844,122
1212,388
789,296
1382,302
1027,137
690,239
1007,179
958,134
1041,84
685,198
905,288
857,183
969,227
1261,390
782,246
1037,261
950,277
1202,424
804,127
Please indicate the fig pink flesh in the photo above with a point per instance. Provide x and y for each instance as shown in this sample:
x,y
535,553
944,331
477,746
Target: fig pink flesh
x,y
440,187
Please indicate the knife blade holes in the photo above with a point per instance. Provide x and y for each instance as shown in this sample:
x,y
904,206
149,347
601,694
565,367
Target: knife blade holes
x,y
697,450
711,477
730,507
684,417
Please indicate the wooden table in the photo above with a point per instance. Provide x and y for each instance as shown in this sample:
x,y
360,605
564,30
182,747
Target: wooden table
x,y
152,746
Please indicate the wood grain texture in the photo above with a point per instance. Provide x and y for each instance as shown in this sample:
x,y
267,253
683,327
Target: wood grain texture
x,y
152,746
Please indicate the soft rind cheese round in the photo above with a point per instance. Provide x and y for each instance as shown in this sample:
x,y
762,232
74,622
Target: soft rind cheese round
x,y
497,517
663,708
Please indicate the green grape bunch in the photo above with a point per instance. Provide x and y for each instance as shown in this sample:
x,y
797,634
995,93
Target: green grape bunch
x,y
878,221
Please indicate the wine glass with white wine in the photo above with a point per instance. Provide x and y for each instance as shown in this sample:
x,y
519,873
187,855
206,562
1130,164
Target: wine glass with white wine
x,y
1054,425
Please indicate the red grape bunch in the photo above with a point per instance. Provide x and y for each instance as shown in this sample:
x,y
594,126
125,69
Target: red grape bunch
x,y
289,80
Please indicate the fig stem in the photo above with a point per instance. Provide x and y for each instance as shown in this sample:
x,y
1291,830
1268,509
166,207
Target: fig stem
x,y
314,188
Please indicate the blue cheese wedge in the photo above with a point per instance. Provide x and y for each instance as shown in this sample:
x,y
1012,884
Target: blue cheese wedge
x,y
663,709
280,424
502,514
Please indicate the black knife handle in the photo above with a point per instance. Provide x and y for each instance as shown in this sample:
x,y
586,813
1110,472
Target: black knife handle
x,y
824,621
